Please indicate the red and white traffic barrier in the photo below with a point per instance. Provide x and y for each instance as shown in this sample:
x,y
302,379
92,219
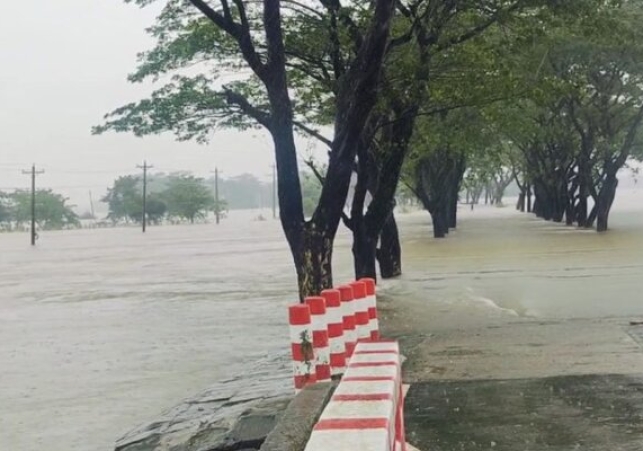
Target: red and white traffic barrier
x,y
371,301
360,303
301,339
335,331
324,341
348,319
365,411
321,349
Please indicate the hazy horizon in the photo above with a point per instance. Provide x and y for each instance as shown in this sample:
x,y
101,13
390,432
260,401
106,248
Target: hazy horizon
x,y
54,89
64,66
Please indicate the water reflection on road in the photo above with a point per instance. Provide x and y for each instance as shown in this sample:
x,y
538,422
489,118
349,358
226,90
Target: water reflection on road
x,y
102,329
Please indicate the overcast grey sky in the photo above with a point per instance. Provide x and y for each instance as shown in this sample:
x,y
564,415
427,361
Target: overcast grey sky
x,y
63,65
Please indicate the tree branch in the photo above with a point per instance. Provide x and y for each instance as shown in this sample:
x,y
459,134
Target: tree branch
x,y
313,133
240,33
234,98
473,32
311,164
226,10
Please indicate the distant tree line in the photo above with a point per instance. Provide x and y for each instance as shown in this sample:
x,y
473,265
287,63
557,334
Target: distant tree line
x,y
179,197
245,192
183,197
52,211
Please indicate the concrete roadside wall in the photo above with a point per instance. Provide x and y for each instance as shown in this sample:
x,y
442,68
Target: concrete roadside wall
x,y
296,424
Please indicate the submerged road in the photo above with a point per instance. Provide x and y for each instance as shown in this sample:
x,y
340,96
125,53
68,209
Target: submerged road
x,y
519,337
102,330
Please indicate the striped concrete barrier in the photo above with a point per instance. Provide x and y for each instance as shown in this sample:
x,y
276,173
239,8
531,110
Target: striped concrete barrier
x,y
348,317
360,301
366,410
371,302
321,349
325,329
335,332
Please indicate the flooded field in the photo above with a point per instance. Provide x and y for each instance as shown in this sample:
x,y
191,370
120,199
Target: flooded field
x,y
100,330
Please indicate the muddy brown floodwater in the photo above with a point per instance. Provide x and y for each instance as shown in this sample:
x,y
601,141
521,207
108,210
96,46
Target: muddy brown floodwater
x,y
101,330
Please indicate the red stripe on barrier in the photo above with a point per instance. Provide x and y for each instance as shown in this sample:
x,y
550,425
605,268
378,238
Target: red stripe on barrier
x,y
353,423
297,352
322,372
301,353
317,305
303,380
369,378
375,335
299,315
372,312
359,289
346,292
350,348
320,338
335,330
338,360
370,285
375,352
364,397
333,298
348,322
366,364
361,318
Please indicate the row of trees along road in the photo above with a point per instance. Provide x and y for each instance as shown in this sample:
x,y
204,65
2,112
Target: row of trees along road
x,y
433,92
52,211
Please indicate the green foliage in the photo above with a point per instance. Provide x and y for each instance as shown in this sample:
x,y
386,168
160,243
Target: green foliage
x,y
156,208
206,84
187,198
125,199
52,211
179,196
311,190
244,192
6,214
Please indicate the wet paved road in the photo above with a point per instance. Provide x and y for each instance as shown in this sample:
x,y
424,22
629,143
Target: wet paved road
x,y
564,413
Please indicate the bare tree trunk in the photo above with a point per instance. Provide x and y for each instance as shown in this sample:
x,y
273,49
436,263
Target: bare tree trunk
x,y
389,254
605,199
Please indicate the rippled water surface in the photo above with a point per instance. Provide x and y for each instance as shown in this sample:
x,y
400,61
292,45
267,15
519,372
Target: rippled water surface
x,y
100,330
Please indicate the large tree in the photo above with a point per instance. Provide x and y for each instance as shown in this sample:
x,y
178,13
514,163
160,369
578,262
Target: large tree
x,y
249,37
52,210
125,199
187,197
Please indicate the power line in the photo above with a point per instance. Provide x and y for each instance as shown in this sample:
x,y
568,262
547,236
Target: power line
x,y
33,173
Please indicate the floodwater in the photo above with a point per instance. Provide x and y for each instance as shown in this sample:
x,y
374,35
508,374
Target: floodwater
x,y
101,330
500,259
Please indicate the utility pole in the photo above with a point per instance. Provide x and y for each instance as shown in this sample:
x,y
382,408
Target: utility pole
x,y
216,194
274,192
145,167
33,174
91,205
